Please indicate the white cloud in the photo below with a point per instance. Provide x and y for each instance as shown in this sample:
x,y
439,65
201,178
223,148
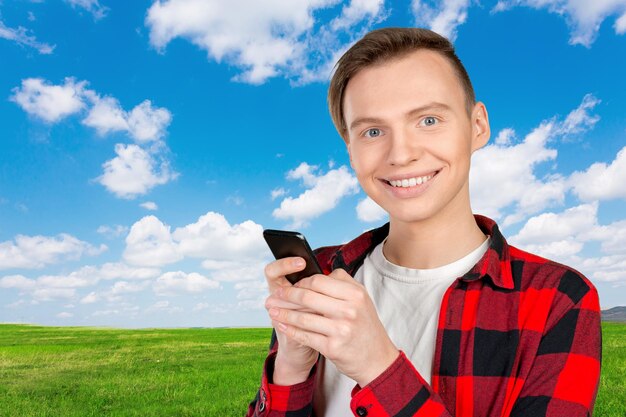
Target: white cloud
x,y
212,237
134,171
92,6
65,315
256,304
503,179
251,295
19,282
38,251
278,192
150,243
583,17
49,102
164,306
324,193
16,304
125,287
271,38
231,271
580,120
149,205
63,286
112,231
77,279
177,282
601,181
563,237
118,270
605,268
548,227
90,298
22,37
106,115
144,123
101,313
355,12
51,294
613,238
620,25
251,289
442,17
147,123
505,137
229,252
368,211
221,308
201,306
235,199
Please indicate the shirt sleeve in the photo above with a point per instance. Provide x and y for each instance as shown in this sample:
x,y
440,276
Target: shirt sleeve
x,y
281,401
399,391
564,379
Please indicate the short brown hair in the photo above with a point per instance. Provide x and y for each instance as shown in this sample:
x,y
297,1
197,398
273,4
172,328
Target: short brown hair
x,y
382,45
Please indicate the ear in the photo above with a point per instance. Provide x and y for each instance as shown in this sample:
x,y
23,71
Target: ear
x,y
481,132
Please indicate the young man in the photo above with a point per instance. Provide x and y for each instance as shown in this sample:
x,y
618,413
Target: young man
x,y
433,314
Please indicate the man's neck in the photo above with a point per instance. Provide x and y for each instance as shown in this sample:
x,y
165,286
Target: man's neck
x,y
433,242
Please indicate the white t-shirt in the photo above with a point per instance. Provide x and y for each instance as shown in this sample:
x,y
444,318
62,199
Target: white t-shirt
x,y
408,303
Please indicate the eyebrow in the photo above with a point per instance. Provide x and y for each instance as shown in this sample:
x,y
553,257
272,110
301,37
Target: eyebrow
x,y
408,115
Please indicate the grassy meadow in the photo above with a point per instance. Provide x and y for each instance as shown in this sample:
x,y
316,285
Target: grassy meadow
x,y
78,371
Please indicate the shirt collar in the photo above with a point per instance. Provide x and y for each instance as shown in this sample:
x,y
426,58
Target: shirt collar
x,y
495,263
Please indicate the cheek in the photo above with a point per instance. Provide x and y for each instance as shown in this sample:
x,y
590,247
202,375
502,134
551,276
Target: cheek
x,y
363,160
455,150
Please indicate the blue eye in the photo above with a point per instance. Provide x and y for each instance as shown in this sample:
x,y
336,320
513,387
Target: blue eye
x,y
373,133
429,121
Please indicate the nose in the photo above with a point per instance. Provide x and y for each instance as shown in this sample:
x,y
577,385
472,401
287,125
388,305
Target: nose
x,y
404,148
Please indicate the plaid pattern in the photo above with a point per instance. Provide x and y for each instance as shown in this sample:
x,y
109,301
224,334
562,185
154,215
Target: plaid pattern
x,y
518,336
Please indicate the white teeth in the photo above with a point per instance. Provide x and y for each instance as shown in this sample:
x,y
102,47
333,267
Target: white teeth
x,y
410,182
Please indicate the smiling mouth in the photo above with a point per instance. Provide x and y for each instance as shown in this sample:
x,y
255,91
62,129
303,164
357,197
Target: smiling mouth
x,y
411,182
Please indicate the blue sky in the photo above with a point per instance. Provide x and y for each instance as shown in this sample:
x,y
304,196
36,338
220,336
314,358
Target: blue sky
x,y
145,145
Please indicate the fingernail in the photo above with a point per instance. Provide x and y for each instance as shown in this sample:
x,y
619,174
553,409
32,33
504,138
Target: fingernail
x,y
273,312
298,262
282,327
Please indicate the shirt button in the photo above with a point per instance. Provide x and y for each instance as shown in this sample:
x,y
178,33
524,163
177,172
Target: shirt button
x,y
361,411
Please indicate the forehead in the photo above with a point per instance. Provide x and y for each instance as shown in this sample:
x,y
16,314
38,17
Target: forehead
x,y
413,80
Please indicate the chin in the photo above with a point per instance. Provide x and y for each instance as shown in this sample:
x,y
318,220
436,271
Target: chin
x,y
411,213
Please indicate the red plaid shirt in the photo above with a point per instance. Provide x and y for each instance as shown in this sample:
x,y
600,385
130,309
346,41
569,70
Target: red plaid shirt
x,y
518,335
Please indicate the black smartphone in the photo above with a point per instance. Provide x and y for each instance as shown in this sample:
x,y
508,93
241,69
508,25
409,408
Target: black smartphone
x,y
284,244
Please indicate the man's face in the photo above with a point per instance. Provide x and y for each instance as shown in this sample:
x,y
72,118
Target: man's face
x,y
410,138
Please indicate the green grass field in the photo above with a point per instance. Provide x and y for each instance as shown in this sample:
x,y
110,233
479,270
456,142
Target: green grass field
x,y
69,371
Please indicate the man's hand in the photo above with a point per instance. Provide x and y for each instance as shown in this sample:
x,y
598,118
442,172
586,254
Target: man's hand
x,y
335,316
293,360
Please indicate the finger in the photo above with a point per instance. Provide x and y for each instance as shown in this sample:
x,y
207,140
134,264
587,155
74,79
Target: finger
x,y
310,300
341,275
313,340
306,321
276,270
274,301
334,285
